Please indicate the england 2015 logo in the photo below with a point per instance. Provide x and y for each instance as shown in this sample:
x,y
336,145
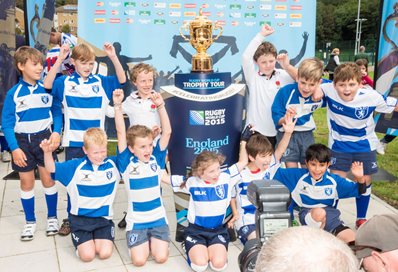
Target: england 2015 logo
x,y
207,117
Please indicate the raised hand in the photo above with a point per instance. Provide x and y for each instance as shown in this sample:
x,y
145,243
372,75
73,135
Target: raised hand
x,y
266,30
247,133
109,50
157,99
357,171
288,125
64,52
117,96
283,60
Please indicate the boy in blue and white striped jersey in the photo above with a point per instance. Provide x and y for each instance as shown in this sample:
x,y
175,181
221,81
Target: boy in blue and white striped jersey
x,y
316,192
84,98
28,113
206,237
91,183
296,99
141,166
352,134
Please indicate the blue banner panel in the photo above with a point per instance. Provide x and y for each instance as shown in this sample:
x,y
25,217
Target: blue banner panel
x,y
387,64
40,15
7,48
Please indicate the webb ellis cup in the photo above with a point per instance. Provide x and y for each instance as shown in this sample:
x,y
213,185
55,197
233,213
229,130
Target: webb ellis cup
x,y
201,37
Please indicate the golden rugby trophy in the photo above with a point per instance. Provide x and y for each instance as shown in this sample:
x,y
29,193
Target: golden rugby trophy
x,y
201,37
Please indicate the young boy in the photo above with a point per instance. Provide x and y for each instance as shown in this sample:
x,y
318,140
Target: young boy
x,y
350,120
263,164
264,83
141,167
316,191
91,183
296,99
27,116
84,98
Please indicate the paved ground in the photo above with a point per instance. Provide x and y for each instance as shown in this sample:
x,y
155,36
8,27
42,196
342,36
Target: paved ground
x,y
57,253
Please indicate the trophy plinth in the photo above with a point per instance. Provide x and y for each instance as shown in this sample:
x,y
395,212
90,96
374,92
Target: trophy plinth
x,y
201,37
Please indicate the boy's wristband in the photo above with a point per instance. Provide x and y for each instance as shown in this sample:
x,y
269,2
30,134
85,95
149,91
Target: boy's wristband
x,y
161,106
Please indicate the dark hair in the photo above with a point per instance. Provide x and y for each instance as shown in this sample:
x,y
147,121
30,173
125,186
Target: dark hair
x,y
362,62
265,48
258,144
318,152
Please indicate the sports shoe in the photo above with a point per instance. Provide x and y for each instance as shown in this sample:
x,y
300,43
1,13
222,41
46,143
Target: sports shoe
x,y
65,227
52,226
359,222
381,148
5,156
28,232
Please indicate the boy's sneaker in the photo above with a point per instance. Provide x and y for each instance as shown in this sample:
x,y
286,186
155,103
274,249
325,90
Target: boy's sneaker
x,y
5,156
52,226
359,222
28,232
381,148
65,227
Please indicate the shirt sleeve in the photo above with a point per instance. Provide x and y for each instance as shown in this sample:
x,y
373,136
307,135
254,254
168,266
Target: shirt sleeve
x,y
64,171
384,105
123,160
160,156
279,106
247,57
58,89
234,174
176,181
8,121
56,111
345,188
109,83
288,177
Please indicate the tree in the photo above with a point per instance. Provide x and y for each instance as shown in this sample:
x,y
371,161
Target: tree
x,y
65,28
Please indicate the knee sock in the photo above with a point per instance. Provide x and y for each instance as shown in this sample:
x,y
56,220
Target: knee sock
x,y
218,269
28,204
198,268
69,205
363,203
51,200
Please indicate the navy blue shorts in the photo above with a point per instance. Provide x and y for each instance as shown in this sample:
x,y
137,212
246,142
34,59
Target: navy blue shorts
x,y
245,231
84,229
74,153
342,161
332,218
298,144
196,235
30,145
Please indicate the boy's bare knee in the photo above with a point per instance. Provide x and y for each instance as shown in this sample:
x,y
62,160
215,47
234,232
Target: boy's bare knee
x,y
138,262
161,258
105,253
318,214
86,256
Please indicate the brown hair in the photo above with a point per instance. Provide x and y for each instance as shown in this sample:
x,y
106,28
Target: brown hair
x,y
311,69
258,144
94,136
204,160
25,53
83,52
137,131
347,71
141,67
266,48
362,62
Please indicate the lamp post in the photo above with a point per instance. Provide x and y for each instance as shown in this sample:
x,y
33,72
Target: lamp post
x,y
358,43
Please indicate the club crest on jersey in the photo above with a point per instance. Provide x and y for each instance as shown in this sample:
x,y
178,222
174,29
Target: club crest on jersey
x,y
109,174
333,161
95,88
267,175
328,191
361,112
45,99
220,191
154,167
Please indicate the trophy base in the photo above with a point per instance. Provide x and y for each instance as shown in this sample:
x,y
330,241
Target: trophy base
x,y
202,65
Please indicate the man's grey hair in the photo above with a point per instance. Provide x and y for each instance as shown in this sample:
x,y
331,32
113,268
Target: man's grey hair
x,y
305,249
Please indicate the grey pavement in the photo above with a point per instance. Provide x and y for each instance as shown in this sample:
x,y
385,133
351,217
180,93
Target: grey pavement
x,y
57,253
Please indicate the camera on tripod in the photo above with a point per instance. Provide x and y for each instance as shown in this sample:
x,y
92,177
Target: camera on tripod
x,y
271,199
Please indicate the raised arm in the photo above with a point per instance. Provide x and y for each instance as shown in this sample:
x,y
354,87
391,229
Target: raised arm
x,y
288,127
111,53
164,120
119,119
283,60
243,157
48,148
49,80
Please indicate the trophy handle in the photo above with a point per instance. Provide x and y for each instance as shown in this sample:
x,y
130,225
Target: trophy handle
x,y
184,26
220,31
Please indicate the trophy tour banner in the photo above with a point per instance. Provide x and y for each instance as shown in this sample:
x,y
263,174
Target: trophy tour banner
x,y
387,64
150,31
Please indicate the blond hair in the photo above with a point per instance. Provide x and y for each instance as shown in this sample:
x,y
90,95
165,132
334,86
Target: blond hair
x,y
137,131
204,160
335,50
83,52
141,67
25,53
95,136
311,69
346,72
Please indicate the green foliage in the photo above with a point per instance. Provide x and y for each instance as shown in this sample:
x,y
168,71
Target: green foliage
x,y
65,28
